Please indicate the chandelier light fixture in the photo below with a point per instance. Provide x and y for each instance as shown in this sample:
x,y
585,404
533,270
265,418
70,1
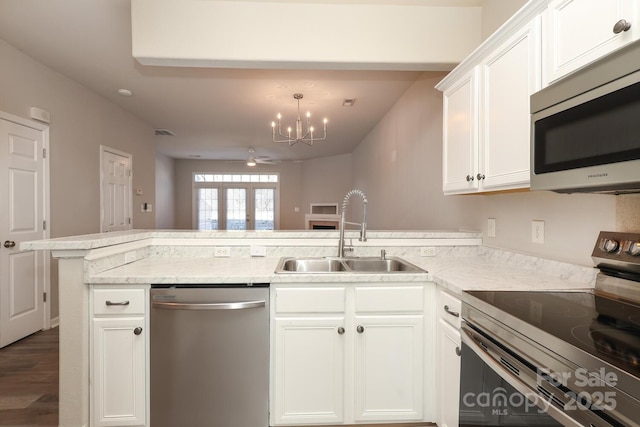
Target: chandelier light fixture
x,y
302,134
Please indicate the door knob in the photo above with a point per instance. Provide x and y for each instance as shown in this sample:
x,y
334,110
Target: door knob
x,y
9,244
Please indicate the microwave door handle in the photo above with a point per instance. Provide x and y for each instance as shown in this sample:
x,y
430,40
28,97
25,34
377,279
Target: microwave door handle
x,y
242,305
515,382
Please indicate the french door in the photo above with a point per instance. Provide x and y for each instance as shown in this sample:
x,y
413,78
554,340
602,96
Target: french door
x,y
236,207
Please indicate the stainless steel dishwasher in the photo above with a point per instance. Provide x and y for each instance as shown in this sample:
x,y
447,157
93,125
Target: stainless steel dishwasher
x,y
209,355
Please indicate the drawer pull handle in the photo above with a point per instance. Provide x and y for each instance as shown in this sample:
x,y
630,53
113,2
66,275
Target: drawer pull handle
x,y
110,303
453,313
137,331
458,351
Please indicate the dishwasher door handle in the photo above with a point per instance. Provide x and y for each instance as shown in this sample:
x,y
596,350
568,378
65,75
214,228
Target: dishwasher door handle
x,y
241,305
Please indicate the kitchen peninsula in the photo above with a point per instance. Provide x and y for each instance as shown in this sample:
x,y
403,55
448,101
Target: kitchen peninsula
x,y
134,260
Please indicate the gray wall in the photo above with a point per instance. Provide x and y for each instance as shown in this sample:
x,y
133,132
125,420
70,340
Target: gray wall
x,y
290,188
165,192
497,12
325,180
80,122
399,166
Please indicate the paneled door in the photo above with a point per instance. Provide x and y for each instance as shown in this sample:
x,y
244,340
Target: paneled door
x,y
23,274
116,193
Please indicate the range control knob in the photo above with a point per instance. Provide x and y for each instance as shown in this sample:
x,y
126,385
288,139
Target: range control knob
x,y
610,245
633,248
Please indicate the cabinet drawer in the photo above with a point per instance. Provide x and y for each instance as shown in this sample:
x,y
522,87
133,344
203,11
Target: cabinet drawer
x,y
449,309
118,301
389,299
310,300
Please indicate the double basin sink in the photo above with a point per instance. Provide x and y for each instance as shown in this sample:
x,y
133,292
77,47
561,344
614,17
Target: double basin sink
x,y
346,265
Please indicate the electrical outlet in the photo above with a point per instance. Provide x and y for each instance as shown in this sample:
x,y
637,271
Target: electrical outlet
x,y
130,257
222,251
537,231
258,250
491,227
428,251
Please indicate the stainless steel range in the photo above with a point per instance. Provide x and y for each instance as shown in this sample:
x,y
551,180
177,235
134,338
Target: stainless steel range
x,y
557,358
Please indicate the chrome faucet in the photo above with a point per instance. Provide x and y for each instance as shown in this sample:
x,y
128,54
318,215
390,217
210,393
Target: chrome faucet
x,y
362,225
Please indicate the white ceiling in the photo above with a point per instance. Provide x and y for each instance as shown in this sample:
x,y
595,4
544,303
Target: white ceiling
x,y
215,113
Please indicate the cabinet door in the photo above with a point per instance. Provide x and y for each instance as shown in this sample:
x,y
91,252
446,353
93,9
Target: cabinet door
x,y
119,371
388,367
581,31
308,370
449,374
460,136
509,76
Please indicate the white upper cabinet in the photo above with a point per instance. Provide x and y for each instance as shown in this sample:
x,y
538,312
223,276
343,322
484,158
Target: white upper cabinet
x,y
578,32
460,135
486,117
509,76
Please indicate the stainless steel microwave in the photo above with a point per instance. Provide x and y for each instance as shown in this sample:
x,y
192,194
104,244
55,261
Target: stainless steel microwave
x,y
586,128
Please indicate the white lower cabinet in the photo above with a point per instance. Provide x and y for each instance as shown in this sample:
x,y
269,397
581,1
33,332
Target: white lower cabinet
x,y
119,339
349,354
449,347
308,370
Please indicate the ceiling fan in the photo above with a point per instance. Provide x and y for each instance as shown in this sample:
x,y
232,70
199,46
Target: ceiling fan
x,y
252,160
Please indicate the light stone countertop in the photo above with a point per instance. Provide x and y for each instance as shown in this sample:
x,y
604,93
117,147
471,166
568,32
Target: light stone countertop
x,y
490,270
101,240
462,263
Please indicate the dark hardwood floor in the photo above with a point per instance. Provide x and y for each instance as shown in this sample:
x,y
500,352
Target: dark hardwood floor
x,y
29,381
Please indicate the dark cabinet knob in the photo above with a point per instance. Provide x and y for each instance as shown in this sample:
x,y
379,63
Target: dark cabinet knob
x,y
137,330
9,244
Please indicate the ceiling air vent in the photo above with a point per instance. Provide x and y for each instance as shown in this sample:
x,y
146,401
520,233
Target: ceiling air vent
x,y
348,102
164,132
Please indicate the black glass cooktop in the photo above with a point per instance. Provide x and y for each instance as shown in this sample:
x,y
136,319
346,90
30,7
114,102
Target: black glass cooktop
x,y
605,327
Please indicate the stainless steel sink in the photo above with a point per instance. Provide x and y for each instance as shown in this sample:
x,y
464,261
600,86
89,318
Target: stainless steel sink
x,y
310,265
346,265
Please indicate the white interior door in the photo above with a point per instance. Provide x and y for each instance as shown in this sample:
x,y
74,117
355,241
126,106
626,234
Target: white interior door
x,y
23,274
116,194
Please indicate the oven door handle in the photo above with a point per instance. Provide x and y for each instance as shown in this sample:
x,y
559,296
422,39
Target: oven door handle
x,y
514,381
